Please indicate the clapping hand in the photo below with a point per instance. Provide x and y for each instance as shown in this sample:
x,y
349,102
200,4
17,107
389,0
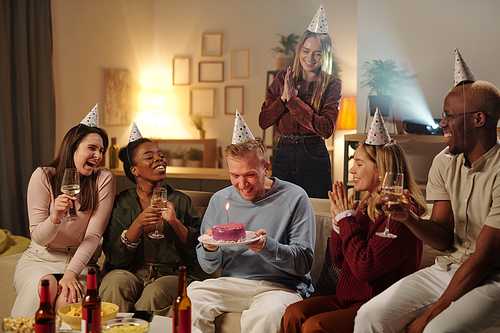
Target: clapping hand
x,y
339,201
290,88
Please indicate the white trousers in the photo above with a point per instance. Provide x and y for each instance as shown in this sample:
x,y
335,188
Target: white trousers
x,y
410,297
36,262
261,303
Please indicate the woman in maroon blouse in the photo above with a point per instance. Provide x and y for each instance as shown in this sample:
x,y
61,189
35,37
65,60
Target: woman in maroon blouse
x,y
303,103
369,263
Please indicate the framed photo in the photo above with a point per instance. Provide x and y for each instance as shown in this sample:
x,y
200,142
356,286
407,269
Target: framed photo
x,y
233,99
240,64
181,71
202,102
117,97
211,45
211,71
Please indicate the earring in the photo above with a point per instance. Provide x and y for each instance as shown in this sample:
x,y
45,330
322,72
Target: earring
x,y
380,178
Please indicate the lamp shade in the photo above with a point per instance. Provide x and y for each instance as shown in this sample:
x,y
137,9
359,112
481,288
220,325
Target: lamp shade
x,y
347,115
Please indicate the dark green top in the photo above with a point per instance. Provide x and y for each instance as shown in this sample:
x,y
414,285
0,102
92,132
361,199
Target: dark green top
x,y
171,252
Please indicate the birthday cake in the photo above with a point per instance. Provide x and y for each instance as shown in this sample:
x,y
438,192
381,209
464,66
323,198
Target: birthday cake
x,y
233,233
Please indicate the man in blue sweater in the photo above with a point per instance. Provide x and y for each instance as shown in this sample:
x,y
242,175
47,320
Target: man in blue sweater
x,y
262,278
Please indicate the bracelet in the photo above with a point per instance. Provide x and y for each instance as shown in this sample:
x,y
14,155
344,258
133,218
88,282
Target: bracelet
x,y
126,241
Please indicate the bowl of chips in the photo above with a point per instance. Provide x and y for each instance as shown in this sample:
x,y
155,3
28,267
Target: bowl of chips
x,y
125,325
71,314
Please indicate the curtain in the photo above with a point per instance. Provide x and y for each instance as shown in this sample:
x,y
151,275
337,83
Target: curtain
x,y
27,104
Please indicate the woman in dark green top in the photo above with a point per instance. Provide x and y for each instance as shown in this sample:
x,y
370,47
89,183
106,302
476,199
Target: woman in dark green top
x,y
142,272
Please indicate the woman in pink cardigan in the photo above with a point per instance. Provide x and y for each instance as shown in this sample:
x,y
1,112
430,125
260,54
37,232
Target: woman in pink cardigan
x,y
61,251
369,263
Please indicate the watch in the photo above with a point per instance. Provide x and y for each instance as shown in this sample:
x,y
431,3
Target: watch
x,y
126,241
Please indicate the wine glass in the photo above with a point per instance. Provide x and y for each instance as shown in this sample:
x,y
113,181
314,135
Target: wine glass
x,y
392,188
158,200
70,185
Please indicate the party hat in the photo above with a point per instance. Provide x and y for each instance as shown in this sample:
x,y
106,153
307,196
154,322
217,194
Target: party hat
x,y
378,134
92,118
241,132
462,71
318,23
135,134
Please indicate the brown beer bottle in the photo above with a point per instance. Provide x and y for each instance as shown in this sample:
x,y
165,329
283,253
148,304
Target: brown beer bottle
x,y
181,317
91,306
45,317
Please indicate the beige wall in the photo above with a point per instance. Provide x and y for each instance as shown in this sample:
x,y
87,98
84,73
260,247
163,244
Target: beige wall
x,y
144,36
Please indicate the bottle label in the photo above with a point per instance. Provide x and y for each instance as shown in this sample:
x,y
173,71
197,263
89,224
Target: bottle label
x,y
184,324
45,328
91,320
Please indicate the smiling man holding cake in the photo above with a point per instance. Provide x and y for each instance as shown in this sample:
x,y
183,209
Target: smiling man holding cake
x,y
269,270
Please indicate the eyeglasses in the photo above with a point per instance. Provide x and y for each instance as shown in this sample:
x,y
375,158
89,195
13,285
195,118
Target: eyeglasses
x,y
447,117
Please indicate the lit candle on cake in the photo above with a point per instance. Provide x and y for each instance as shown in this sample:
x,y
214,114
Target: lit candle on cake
x,y
227,214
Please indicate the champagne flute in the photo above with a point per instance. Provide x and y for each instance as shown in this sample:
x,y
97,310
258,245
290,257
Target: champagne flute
x,y
392,188
158,200
70,185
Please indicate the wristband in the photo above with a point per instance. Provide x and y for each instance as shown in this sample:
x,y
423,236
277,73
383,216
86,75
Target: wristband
x,y
127,242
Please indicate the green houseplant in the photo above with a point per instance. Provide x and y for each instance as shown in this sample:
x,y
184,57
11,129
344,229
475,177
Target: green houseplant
x,y
383,78
285,53
194,157
177,157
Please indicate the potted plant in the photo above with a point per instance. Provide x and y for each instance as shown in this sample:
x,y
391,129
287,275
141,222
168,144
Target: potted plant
x,y
197,122
383,78
194,157
177,158
285,53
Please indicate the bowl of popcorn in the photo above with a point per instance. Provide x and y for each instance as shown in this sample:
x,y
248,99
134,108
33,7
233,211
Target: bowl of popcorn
x,y
125,325
24,325
71,314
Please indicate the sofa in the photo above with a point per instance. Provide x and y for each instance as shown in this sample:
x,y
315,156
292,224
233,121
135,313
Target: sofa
x,y
228,322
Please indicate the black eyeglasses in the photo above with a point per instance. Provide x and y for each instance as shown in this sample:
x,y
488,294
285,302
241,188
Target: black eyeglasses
x,y
447,117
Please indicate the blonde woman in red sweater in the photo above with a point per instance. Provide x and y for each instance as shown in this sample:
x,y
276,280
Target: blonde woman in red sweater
x,y
369,263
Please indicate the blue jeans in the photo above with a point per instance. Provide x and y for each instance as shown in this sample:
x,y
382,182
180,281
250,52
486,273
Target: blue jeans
x,y
306,164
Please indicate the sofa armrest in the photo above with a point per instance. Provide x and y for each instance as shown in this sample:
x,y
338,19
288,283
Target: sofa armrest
x,y
7,268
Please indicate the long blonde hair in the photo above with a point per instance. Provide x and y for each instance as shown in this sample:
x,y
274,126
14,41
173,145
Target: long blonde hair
x,y
325,71
390,157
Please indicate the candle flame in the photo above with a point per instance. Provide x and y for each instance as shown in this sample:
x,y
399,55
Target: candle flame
x,y
227,206
227,214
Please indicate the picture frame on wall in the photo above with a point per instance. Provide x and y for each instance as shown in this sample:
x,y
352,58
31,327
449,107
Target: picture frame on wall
x,y
181,71
240,64
202,102
233,99
211,45
212,71
117,97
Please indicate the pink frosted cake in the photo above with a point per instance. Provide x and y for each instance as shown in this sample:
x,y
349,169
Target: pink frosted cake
x,y
233,234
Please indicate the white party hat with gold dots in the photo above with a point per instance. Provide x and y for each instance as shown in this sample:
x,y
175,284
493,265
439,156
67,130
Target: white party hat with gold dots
x,y
92,118
241,132
378,134
318,23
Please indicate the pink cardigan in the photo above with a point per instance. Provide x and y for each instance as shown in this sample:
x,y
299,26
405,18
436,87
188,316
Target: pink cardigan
x,y
84,233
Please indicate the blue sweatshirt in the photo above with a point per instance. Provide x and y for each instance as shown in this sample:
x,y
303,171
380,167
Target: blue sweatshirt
x,y
286,214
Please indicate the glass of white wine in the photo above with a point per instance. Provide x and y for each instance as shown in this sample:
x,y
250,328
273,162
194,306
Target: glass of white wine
x,y
392,188
70,185
158,200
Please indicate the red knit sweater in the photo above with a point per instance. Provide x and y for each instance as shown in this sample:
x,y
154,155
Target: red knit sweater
x,y
369,263
296,117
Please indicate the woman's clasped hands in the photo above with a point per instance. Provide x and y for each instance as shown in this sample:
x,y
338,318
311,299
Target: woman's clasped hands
x,y
340,201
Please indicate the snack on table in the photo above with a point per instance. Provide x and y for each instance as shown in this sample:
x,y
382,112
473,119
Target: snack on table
x,y
126,325
19,325
233,234
76,310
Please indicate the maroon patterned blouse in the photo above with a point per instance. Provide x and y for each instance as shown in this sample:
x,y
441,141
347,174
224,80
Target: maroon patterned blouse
x,y
297,117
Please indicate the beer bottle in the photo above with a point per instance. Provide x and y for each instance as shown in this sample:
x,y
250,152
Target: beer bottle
x,y
91,306
45,317
181,318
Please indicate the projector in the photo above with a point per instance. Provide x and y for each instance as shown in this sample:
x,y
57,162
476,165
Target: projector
x,y
419,126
